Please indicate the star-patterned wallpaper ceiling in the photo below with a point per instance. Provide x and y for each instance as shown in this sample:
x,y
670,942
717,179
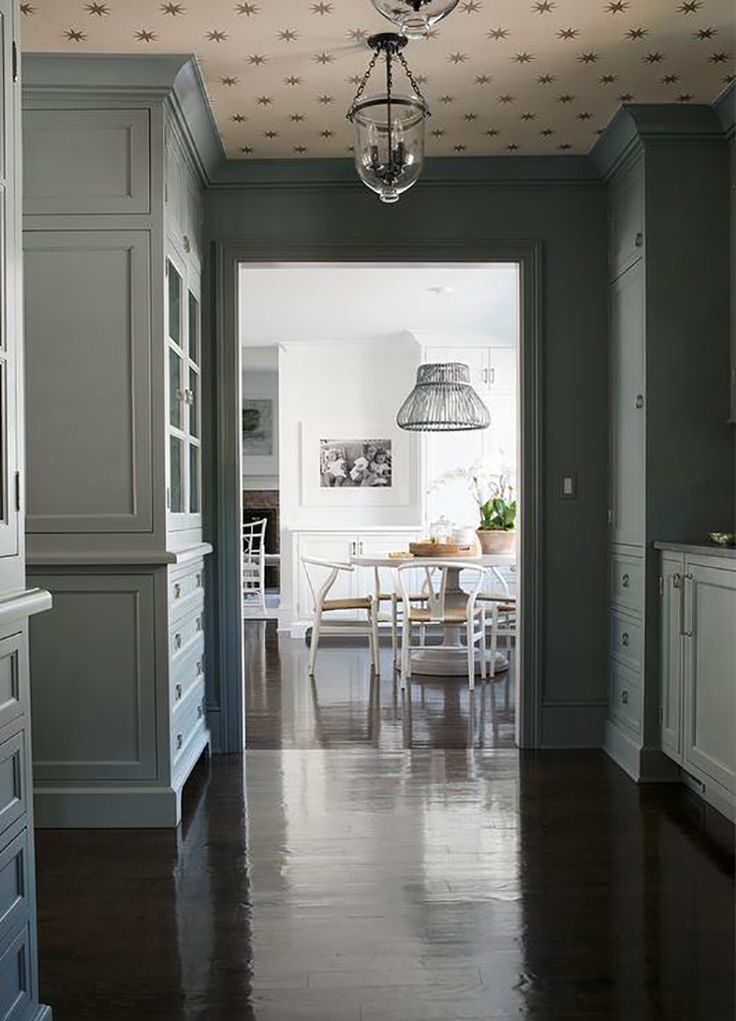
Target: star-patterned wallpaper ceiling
x,y
501,76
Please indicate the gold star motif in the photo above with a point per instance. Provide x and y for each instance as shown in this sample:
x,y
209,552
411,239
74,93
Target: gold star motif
x,y
545,79
297,118
457,58
546,132
216,35
293,79
471,6
270,134
354,79
323,58
447,99
705,33
506,98
566,97
626,97
238,118
437,132
564,145
528,117
229,80
607,79
357,35
637,33
499,34
322,8
669,79
523,58
492,132
718,58
584,116
27,9
326,133
617,6
690,7
686,97
145,35
299,149
568,33
459,147
653,58
483,79
247,149
247,9
287,35
172,9
543,6
325,99
588,58
257,59
75,35
98,9
470,117
512,147
264,101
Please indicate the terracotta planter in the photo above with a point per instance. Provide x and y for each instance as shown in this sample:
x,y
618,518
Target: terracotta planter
x,y
495,540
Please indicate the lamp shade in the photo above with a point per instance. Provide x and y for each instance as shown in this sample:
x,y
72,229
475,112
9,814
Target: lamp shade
x,y
443,401
415,18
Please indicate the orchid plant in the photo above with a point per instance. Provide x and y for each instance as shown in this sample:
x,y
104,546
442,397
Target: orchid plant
x,y
492,491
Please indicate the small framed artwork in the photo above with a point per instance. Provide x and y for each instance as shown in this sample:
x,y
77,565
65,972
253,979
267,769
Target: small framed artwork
x,y
350,467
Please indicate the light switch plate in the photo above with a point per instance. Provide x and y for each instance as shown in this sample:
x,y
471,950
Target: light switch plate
x,y
569,487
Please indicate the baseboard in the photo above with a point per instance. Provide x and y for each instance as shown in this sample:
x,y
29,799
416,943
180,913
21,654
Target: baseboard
x,y
656,767
106,807
712,792
572,725
43,1013
623,749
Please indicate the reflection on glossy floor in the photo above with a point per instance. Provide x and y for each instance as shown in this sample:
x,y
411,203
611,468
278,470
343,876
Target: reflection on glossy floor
x,y
346,706
353,883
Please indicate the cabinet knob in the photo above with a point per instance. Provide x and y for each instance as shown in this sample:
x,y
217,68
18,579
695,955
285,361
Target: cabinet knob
x,y
199,580
639,402
200,712
625,581
639,240
187,243
200,668
625,697
676,580
199,623
625,640
179,741
178,692
177,641
177,590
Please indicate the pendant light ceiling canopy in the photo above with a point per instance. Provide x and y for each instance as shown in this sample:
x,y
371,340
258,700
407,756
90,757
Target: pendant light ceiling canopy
x,y
415,18
443,401
389,126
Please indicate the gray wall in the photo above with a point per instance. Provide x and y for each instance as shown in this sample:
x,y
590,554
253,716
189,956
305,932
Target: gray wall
x,y
293,206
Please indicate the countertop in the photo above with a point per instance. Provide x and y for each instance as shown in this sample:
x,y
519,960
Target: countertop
x,y
707,549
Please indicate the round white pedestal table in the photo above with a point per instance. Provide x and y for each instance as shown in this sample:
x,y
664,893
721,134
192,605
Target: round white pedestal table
x,y
450,658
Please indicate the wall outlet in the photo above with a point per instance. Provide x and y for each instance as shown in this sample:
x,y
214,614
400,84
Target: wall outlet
x,y
569,487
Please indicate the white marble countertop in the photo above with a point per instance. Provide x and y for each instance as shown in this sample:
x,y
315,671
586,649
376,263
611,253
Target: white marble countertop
x,y
709,549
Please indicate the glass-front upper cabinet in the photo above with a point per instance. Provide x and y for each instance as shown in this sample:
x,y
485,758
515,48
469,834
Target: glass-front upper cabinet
x,y
184,357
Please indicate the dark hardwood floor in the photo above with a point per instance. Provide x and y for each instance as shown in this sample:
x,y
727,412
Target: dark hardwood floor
x,y
332,874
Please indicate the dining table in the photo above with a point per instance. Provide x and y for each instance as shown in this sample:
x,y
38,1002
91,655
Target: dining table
x,y
449,658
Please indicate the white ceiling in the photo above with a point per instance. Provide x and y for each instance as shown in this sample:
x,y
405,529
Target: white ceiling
x,y
349,304
501,76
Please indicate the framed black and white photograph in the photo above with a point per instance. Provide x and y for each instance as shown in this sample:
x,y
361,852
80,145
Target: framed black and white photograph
x,y
355,463
258,419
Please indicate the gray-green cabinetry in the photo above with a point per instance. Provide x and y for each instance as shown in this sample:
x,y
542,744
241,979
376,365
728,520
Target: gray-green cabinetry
x,y
698,672
671,451
18,954
113,268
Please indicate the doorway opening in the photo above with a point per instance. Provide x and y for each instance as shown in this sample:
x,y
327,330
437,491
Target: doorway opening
x,y
328,352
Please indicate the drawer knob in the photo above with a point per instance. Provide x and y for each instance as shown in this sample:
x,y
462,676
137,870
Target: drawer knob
x,y
178,692
625,697
179,741
177,590
625,581
177,641
625,640
199,624
188,246
200,668
639,402
200,711
639,240
199,580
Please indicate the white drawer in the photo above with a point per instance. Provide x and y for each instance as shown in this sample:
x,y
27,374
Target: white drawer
x,y
15,880
16,975
627,579
187,719
186,589
626,640
13,692
185,633
13,785
187,671
625,698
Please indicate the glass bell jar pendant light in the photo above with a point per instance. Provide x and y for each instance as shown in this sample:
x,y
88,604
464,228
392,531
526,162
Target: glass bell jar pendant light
x,y
443,401
415,18
389,126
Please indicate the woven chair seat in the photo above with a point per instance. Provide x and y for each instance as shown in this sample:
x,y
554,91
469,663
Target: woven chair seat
x,y
357,603
450,616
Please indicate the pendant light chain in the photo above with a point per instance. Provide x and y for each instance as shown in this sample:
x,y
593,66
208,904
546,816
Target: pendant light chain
x,y
364,82
412,79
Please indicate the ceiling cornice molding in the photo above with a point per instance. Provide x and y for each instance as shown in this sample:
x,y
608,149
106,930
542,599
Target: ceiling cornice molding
x,y
460,171
172,80
648,124
725,107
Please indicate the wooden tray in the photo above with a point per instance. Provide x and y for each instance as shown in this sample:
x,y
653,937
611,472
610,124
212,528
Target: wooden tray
x,y
441,549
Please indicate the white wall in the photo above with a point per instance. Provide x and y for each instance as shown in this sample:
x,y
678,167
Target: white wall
x,y
261,379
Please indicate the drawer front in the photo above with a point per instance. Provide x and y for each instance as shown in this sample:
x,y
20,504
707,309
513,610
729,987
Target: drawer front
x,y
188,670
627,578
187,719
625,698
186,589
16,976
13,786
13,689
626,640
15,881
185,633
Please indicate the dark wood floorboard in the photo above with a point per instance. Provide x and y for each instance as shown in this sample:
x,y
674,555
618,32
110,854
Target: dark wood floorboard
x,y
332,874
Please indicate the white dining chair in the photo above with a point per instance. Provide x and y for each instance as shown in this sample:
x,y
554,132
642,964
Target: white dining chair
x,y
254,561
321,576
438,610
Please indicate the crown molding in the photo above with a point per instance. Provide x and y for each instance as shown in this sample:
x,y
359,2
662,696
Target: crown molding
x,y
173,80
642,124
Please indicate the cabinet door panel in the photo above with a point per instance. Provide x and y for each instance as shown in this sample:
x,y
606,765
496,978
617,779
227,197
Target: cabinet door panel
x,y
671,653
627,219
710,675
336,548
627,407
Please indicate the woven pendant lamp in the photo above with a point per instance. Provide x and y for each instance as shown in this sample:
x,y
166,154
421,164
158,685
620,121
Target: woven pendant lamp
x,y
443,401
